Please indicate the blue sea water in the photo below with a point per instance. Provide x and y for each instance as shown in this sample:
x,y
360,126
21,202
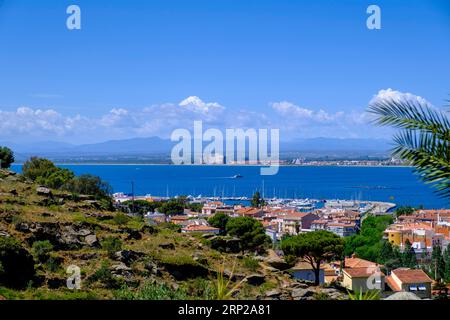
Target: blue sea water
x,y
393,184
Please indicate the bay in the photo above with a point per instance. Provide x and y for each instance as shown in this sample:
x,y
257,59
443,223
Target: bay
x,y
392,184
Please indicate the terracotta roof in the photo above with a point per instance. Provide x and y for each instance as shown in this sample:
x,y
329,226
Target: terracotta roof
x,y
354,262
248,211
362,272
392,284
412,276
295,215
179,218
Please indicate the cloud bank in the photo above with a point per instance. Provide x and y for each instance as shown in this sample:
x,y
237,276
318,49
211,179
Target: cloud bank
x,y
294,121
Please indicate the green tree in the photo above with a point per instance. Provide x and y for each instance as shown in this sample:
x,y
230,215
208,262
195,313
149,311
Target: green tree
x,y
447,264
257,201
424,138
437,263
369,242
44,172
90,185
409,258
249,230
172,207
41,250
219,220
6,157
314,247
404,211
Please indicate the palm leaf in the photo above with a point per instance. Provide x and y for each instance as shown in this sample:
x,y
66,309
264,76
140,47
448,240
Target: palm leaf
x,y
424,140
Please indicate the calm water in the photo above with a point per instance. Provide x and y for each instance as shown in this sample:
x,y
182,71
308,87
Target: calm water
x,y
395,184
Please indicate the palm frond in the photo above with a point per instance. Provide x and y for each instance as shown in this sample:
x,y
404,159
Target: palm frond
x,y
429,155
424,141
411,116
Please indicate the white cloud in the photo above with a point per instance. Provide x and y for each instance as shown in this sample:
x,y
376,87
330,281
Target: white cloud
x,y
389,95
161,119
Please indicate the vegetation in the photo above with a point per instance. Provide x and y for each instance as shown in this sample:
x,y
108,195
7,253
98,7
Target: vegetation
x,y
139,206
17,265
224,289
368,295
424,138
173,207
219,220
314,247
44,172
6,157
409,256
112,245
250,231
151,291
42,249
121,219
369,242
250,263
404,211
257,201
89,184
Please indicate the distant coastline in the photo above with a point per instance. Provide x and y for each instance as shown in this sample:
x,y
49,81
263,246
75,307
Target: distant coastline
x,y
220,165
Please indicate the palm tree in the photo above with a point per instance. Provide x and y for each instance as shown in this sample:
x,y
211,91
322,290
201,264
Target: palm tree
x,y
423,139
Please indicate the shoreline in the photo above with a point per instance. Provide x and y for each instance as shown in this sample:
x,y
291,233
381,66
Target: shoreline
x,y
217,165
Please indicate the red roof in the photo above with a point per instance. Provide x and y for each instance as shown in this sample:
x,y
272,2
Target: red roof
x,y
362,272
412,276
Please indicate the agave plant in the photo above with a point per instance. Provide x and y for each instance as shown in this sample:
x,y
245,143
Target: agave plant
x,y
368,295
423,139
223,288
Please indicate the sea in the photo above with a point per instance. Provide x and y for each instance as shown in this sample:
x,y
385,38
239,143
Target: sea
x,y
399,185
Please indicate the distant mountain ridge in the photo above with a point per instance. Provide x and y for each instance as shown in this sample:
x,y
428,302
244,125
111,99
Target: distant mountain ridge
x,y
159,146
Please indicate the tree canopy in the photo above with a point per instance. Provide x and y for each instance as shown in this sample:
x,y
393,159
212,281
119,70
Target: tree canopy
x,y
44,171
314,247
219,220
6,157
257,201
249,230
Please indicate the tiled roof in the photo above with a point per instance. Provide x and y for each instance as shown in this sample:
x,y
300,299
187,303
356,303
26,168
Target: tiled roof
x,y
354,262
392,284
362,272
411,275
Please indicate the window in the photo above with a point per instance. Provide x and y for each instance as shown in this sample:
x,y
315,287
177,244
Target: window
x,y
422,287
412,288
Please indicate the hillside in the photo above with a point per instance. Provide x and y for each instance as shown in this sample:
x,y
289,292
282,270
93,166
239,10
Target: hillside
x,y
43,232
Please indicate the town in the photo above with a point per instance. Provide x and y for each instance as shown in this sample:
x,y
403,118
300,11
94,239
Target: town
x,y
422,233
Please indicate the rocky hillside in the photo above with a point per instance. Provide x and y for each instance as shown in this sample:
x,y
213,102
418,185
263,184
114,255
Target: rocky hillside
x,y
43,232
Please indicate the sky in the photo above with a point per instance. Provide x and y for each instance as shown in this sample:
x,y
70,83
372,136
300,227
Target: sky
x,y
145,68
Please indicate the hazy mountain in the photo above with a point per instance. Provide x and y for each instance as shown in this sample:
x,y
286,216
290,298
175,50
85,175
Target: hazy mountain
x,y
315,147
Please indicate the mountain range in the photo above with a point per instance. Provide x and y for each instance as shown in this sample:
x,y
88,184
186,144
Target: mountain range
x,y
158,146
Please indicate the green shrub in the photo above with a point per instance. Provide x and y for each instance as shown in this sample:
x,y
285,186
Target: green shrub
x,y
151,291
111,245
250,263
105,277
41,250
121,219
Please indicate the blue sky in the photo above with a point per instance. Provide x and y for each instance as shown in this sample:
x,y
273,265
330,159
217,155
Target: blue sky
x,y
308,67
